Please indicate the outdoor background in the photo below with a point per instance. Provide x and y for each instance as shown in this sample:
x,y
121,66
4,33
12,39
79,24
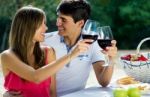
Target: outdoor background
x,y
129,19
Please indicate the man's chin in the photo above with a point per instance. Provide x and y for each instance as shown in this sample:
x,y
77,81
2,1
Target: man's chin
x,y
61,33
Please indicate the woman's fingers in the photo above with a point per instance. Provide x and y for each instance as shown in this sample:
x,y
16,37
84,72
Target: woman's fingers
x,y
87,41
83,45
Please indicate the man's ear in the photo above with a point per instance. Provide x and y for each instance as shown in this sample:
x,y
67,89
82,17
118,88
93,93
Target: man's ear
x,y
81,23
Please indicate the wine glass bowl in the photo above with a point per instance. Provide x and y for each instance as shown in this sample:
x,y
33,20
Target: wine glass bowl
x,y
89,30
93,37
105,36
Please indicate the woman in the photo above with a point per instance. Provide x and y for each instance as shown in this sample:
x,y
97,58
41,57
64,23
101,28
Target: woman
x,y
28,68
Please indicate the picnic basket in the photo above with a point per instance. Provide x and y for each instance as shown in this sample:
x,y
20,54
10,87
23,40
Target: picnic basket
x,y
140,70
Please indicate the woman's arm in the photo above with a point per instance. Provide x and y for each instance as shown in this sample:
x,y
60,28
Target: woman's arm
x,y
10,61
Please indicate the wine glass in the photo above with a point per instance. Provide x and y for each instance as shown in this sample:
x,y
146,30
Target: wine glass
x,y
89,30
105,37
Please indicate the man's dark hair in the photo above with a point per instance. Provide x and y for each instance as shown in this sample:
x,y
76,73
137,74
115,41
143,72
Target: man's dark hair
x,y
77,9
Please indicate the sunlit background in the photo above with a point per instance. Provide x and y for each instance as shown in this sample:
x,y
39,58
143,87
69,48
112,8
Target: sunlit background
x,y
129,19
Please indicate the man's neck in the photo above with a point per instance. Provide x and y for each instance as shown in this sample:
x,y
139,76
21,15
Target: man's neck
x,y
71,41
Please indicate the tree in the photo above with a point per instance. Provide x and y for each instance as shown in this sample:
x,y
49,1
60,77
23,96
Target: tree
x,y
129,20
9,7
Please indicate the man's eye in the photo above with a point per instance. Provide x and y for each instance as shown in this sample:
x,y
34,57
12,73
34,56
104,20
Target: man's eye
x,y
63,20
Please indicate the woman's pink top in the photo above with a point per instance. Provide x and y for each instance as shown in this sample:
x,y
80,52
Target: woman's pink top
x,y
28,89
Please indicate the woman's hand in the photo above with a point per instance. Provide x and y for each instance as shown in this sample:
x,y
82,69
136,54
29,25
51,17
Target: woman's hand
x,y
81,46
12,94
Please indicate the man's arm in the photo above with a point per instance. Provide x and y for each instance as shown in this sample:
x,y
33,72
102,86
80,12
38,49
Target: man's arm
x,y
103,73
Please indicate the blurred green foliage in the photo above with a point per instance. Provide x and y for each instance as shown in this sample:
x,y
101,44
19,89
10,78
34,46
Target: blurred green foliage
x,y
129,19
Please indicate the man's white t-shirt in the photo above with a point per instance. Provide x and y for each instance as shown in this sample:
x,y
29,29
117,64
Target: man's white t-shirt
x,y
73,76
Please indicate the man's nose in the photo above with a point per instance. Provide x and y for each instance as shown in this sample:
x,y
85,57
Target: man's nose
x,y
59,22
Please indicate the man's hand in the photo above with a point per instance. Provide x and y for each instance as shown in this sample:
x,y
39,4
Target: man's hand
x,y
111,51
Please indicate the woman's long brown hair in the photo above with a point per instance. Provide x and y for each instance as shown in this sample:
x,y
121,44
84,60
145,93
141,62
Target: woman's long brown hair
x,y
26,21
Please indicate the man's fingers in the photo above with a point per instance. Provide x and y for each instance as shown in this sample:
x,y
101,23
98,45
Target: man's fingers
x,y
113,42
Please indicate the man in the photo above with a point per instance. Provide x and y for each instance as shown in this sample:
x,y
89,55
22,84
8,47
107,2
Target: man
x,y
72,14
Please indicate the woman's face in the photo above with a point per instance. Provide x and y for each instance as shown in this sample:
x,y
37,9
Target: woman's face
x,y
40,32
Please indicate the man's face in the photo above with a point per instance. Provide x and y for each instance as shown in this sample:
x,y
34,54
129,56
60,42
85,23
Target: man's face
x,y
66,26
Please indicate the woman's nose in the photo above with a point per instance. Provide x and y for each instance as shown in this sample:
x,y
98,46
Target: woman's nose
x,y
46,28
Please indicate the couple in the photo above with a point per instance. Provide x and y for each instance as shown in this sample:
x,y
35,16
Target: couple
x,y
32,69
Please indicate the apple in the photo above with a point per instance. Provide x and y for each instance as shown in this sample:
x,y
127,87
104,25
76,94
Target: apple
x,y
119,92
134,92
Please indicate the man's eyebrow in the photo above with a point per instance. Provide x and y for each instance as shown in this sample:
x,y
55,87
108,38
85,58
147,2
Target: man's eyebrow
x,y
63,18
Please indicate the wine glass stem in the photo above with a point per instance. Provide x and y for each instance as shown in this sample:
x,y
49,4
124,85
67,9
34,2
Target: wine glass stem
x,y
106,60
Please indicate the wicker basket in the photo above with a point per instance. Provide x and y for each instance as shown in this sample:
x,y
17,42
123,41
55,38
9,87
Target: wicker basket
x,y
140,70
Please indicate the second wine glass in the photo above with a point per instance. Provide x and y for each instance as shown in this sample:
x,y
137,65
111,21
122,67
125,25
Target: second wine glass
x,y
105,37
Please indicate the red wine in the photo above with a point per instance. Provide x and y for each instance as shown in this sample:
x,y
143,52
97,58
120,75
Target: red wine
x,y
86,36
104,43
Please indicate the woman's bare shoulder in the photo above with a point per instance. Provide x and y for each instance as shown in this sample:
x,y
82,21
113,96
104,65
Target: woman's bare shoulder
x,y
5,57
8,56
7,53
50,49
50,53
